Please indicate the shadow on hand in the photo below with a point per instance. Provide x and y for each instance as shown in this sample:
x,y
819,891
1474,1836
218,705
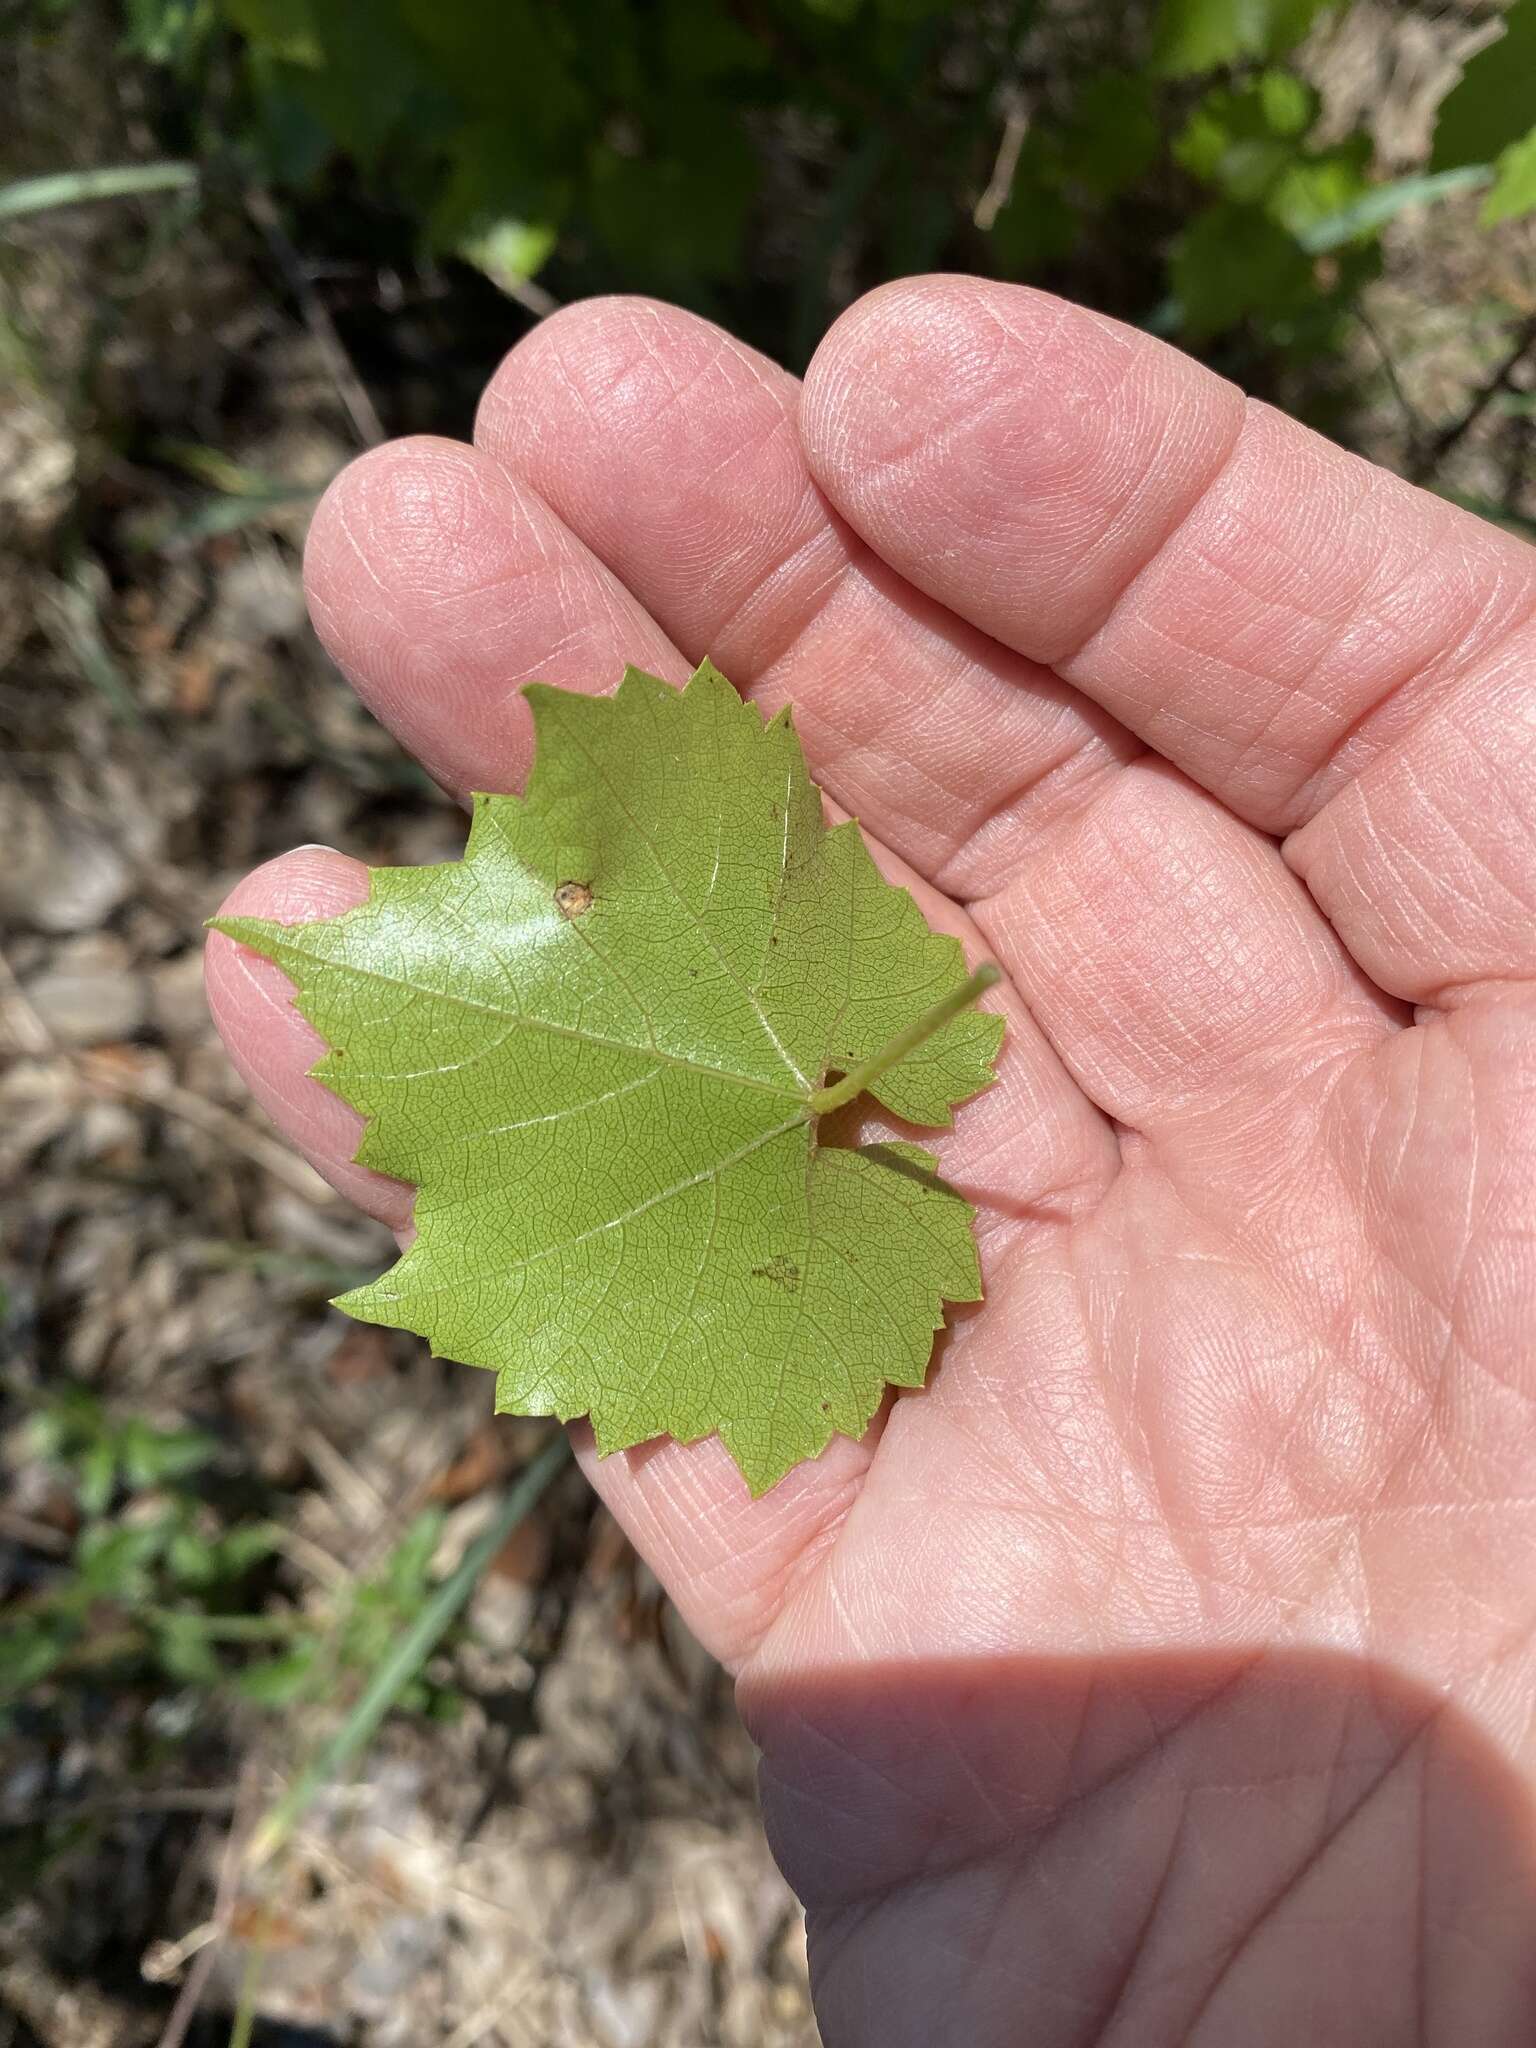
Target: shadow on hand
x,y
1234,1851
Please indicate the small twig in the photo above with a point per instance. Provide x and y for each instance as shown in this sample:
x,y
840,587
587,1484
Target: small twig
x,y
36,1535
1451,436
350,389
310,1556
108,1077
1006,164
28,1032
84,188
497,2009
163,1961
532,297
360,1500
103,1076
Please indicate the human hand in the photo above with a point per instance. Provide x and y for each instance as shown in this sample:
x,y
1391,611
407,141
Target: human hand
x,y
1164,1672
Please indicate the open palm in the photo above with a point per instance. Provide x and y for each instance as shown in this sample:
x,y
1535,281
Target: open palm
x,y
1165,1671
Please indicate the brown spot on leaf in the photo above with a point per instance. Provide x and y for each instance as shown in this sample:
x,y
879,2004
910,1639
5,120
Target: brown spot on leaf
x,y
782,1271
573,899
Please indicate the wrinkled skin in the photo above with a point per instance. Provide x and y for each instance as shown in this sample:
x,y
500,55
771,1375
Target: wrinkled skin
x,y
1164,1672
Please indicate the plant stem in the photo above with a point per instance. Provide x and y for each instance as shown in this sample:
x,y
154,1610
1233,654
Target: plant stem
x,y
921,1028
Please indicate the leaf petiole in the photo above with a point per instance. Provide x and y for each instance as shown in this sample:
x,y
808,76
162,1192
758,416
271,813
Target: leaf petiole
x,y
921,1028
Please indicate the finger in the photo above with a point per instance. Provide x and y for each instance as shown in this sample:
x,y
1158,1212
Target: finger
x,y
672,453
439,587
1426,862
272,1046
729,1562
1192,987
727,1559
1263,609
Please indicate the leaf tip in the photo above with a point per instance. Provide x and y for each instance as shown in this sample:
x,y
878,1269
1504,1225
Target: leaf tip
x,y
261,934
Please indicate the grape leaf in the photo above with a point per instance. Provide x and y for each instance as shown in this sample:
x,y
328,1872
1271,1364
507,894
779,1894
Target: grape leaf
x,y
600,1044
1200,35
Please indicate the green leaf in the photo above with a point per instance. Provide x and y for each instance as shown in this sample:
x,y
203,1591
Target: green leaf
x,y
408,1572
1038,226
1114,134
239,1548
29,1650
184,1649
113,1559
1490,108
1242,139
1232,262
285,29
599,1045
150,1455
1514,184
98,1476
510,252
678,212
170,32
1200,35
1319,185
190,1558
279,1681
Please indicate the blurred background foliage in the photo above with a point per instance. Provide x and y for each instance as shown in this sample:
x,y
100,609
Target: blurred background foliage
x,y
763,161
241,240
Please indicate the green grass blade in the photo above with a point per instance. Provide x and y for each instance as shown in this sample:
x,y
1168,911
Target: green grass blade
x,y
407,1656
1374,209
83,188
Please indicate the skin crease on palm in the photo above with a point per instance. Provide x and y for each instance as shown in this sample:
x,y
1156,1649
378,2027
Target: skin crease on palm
x,y
1164,1672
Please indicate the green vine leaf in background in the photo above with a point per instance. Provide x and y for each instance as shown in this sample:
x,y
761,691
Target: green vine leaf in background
x,y
1514,186
600,1046
1202,35
561,153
